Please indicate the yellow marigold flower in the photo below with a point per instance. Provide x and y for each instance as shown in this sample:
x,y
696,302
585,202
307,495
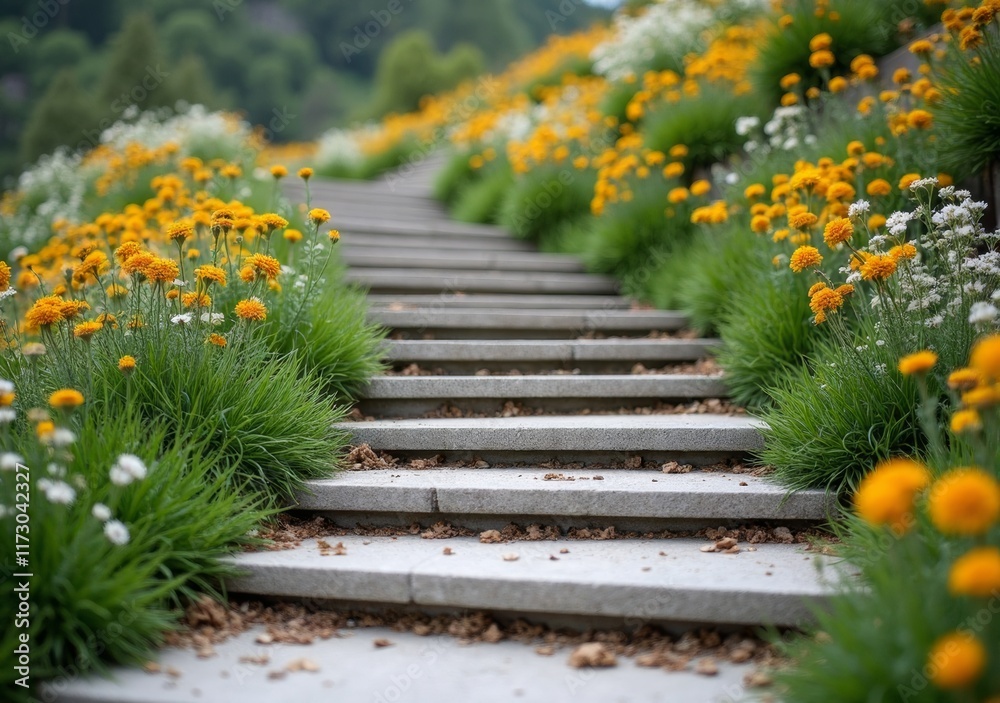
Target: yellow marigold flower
x,y
161,270
945,180
985,357
875,221
292,235
45,428
179,231
802,220
976,573
476,162
74,308
917,363
966,421
44,312
319,215
196,300
273,221
126,364
845,290
805,257
878,267
760,224
305,173
887,495
964,379
754,190
813,92
700,187
981,397
210,274
279,171
956,660
785,21
678,151
251,309
217,339
872,159
172,294
903,251
837,231
860,61
66,399
920,119
901,75
816,288
822,59
840,191
4,276
86,330
837,84
193,254
965,501
855,148
248,275
126,251
790,80
581,162
231,171
264,265
820,42
969,38
677,195
823,301
789,99
921,47
673,169
907,180
985,13
334,235
879,187
223,219
780,235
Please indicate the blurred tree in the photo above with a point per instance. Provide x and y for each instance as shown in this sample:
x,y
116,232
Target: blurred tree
x,y
135,73
59,49
189,32
189,82
61,117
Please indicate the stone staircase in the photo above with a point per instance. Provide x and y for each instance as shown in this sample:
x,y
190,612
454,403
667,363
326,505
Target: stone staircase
x,y
523,390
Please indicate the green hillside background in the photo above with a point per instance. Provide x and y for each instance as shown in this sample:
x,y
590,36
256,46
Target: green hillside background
x,y
67,70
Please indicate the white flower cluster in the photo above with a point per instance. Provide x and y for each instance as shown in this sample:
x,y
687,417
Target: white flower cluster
x,y
340,146
787,130
958,272
673,26
127,469
193,128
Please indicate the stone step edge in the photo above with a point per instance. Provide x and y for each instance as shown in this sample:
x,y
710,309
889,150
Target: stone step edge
x,y
592,493
626,349
553,386
645,580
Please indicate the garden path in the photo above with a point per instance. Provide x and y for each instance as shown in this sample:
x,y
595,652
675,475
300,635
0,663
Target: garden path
x,y
522,391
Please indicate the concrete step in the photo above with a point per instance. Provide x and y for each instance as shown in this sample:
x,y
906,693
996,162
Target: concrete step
x,y
417,242
461,356
506,323
592,439
401,396
615,579
405,280
356,666
490,498
465,260
500,300
374,223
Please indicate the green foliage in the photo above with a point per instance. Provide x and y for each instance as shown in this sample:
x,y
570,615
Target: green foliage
x,y
617,99
60,117
833,420
632,237
721,260
766,332
705,125
453,177
335,342
544,198
967,116
102,603
860,29
262,414
410,68
481,200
